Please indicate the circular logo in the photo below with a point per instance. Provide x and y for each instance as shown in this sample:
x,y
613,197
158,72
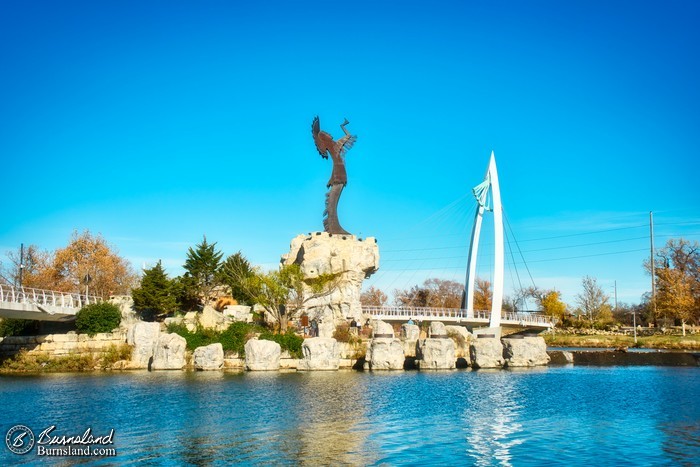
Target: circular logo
x,y
19,439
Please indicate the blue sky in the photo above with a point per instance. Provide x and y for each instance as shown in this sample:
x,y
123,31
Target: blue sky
x,y
154,123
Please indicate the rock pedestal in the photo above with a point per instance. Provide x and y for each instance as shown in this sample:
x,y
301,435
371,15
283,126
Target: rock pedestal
x,y
525,351
261,355
486,352
385,352
346,257
461,337
210,357
320,353
436,354
169,353
410,333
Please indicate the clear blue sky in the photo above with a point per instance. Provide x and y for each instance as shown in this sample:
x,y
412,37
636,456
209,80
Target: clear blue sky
x,y
154,123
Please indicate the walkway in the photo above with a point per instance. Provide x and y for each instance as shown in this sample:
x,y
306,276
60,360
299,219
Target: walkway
x,y
457,316
42,305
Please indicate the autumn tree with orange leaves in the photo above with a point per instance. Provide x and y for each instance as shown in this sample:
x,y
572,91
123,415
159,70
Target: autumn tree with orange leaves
x,y
87,263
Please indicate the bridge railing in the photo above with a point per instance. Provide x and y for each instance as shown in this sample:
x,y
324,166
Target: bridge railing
x,y
453,313
31,296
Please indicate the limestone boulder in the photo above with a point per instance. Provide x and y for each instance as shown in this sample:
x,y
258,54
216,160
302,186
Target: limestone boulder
x,y
239,313
410,332
209,357
525,351
262,355
486,352
320,353
560,357
461,337
436,354
437,329
212,319
385,354
382,329
169,353
143,337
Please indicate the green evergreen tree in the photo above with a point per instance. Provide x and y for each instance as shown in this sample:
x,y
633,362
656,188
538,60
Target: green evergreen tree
x,y
233,273
202,265
156,295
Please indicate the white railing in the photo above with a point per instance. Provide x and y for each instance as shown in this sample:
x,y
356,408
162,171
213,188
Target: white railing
x,y
29,296
402,312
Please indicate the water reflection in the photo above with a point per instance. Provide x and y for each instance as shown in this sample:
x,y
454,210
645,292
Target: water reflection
x,y
569,415
334,410
492,419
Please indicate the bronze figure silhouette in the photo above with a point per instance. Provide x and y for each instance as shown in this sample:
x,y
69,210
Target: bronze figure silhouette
x,y
339,177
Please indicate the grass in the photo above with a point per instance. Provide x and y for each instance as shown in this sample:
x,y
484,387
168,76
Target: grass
x,y
36,363
689,342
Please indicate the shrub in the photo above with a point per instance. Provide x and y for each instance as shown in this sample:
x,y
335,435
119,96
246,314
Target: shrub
x,y
18,327
233,339
342,334
97,317
288,341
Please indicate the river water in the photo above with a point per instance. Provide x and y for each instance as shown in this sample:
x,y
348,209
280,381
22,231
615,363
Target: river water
x,y
547,416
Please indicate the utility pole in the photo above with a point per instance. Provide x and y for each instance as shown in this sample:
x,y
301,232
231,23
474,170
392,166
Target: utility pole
x,y
651,261
21,264
615,295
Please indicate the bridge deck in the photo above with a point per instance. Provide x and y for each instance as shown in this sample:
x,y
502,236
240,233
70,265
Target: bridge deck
x,y
42,305
457,315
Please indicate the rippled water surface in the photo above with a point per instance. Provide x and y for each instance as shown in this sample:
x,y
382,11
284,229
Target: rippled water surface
x,y
554,416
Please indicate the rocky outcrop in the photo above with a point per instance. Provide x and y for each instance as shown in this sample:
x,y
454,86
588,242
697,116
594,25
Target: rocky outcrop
x,y
169,352
143,337
126,307
347,258
525,351
262,355
486,352
320,353
209,357
212,319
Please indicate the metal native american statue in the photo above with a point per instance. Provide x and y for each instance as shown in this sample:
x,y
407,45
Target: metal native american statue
x,y
339,177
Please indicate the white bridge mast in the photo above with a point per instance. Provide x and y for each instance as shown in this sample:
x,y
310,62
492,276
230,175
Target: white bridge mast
x,y
481,193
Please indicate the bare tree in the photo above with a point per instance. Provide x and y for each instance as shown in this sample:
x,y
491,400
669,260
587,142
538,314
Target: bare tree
x,y
592,300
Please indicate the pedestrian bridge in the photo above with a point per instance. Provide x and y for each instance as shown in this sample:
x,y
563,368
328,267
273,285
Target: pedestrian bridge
x,y
458,316
42,305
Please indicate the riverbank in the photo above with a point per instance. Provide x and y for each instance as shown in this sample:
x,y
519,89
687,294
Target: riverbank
x,y
657,341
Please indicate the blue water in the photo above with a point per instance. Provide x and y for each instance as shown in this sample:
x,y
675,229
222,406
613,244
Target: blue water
x,y
550,416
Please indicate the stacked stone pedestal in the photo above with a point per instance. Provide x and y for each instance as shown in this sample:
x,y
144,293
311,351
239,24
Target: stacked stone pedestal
x,y
262,355
525,351
384,352
410,333
320,353
348,260
437,352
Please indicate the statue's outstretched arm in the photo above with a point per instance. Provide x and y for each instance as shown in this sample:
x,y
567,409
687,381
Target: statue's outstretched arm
x,y
342,125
